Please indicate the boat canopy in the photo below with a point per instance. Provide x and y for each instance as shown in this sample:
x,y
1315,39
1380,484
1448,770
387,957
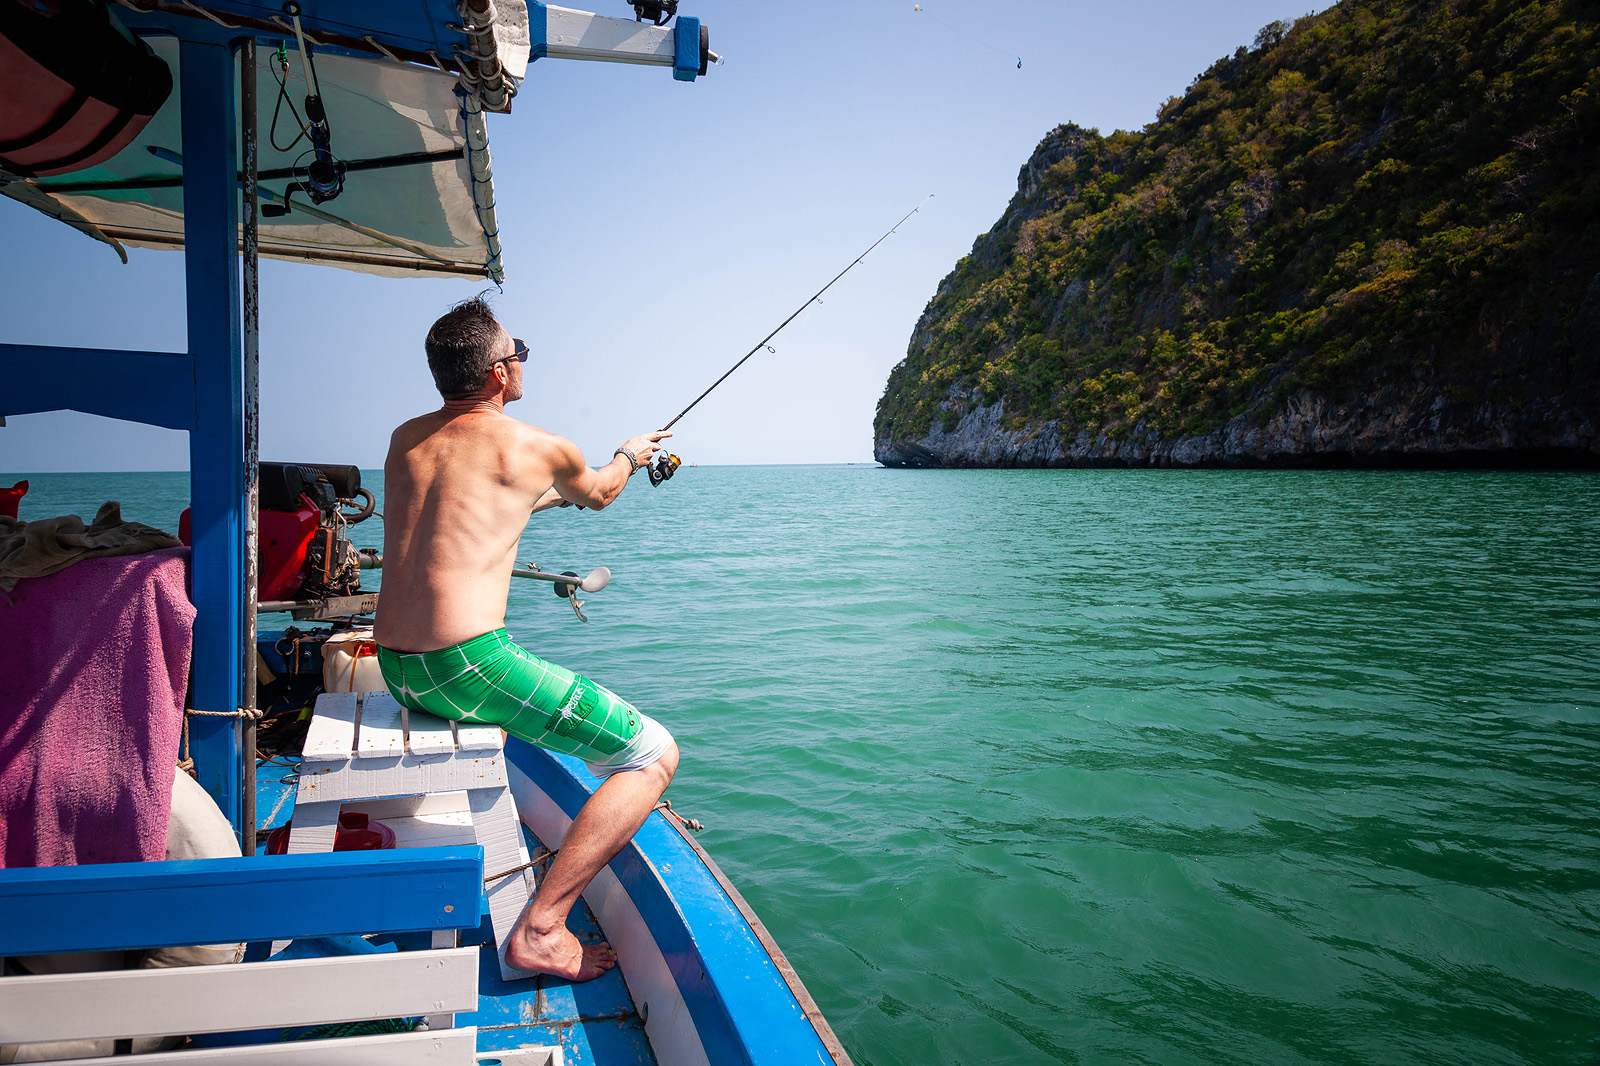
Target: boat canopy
x,y
407,205
405,107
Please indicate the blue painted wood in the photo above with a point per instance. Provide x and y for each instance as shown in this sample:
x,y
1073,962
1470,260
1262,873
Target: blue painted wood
x,y
216,445
126,906
686,49
156,388
538,31
416,25
741,1006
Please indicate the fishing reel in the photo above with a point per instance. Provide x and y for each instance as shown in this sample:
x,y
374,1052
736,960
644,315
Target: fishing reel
x,y
663,468
657,11
325,173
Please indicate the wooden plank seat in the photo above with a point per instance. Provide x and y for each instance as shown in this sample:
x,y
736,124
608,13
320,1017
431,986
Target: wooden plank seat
x,y
127,906
434,782
453,1047
260,995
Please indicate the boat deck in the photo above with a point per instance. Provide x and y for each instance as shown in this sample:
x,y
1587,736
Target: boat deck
x,y
594,1023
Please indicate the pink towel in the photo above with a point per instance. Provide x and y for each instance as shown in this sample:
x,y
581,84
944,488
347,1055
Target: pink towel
x,y
94,667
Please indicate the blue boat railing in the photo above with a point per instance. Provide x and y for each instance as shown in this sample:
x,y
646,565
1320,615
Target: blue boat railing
x,y
254,1011
140,905
730,976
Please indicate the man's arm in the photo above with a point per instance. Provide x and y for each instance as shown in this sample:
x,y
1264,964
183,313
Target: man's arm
x,y
576,483
551,498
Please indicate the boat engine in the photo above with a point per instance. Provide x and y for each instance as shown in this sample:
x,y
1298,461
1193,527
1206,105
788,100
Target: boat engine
x,y
304,552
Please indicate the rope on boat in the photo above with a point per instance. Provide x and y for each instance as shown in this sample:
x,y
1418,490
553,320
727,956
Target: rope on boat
x,y
490,82
186,764
543,854
374,43
202,11
479,170
693,824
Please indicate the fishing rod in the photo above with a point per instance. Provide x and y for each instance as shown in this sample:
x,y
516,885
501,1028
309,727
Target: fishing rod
x,y
666,465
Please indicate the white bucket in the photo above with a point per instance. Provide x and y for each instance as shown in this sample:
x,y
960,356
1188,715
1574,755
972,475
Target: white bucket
x,y
350,663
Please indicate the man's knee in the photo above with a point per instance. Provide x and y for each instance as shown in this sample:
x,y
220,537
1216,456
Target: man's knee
x,y
669,764
660,772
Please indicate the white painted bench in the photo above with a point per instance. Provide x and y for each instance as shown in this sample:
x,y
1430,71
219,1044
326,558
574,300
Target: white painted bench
x,y
120,1004
434,782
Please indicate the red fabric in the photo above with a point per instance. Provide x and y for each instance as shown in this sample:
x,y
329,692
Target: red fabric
x,y
94,666
31,94
31,97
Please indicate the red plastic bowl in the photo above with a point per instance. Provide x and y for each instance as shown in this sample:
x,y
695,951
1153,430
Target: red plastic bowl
x,y
356,833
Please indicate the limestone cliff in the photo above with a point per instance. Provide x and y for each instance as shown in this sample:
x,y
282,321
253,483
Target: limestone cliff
x,y
1372,238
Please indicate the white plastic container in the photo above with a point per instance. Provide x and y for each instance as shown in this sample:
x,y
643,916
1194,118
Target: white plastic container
x,y
350,663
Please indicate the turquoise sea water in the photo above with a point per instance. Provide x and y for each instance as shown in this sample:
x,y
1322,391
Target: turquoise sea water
x,y
1119,766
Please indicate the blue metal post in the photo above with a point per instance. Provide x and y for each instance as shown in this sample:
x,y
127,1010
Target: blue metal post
x,y
216,447
686,49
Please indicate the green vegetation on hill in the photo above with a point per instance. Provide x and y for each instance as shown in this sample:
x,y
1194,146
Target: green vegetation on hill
x,y
1392,189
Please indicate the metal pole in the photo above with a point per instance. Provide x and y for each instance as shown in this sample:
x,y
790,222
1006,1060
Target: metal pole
x,y
252,425
216,441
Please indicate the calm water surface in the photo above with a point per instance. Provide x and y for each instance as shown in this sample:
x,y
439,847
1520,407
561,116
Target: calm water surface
x,y
1115,766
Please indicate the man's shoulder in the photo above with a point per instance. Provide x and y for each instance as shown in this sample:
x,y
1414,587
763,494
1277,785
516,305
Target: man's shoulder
x,y
538,435
414,428
549,446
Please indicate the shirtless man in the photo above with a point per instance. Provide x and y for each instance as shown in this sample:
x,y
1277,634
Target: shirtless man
x,y
459,486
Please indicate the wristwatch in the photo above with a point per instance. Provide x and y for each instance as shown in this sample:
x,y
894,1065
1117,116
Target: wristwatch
x,y
633,460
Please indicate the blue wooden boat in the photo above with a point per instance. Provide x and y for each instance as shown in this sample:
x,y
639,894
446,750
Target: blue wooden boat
x,y
398,180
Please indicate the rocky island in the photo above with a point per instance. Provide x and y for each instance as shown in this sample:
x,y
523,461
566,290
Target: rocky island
x,y
1373,238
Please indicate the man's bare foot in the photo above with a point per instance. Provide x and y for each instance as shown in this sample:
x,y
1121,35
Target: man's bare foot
x,y
559,953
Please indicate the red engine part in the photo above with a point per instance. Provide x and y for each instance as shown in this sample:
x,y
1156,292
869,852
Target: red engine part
x,y
75,86
9,498
285,538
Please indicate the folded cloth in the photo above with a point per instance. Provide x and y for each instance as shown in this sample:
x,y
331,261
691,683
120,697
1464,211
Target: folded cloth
x,y
37,549
91,709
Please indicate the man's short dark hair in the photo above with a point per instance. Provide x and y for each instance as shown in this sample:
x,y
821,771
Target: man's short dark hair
x,y
462,345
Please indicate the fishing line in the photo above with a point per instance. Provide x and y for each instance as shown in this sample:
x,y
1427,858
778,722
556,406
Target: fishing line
x,y
968,36
762,343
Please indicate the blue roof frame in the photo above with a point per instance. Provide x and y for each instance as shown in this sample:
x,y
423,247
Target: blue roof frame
x,y
411,28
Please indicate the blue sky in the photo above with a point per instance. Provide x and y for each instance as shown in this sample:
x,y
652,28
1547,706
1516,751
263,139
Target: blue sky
x,y
655,230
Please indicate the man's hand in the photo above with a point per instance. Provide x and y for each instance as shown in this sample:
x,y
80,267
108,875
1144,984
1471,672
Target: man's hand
x,y
595,489
645,446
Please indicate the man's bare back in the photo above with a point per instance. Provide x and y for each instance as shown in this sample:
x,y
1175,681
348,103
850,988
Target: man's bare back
x,y
459,486
458,490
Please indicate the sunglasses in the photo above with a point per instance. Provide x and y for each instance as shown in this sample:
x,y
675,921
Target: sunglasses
x,y
520,354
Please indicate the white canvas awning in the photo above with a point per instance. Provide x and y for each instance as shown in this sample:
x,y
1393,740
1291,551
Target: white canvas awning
x,y
408,203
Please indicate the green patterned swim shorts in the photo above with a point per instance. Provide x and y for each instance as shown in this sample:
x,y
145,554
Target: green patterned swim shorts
x,y
490,680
